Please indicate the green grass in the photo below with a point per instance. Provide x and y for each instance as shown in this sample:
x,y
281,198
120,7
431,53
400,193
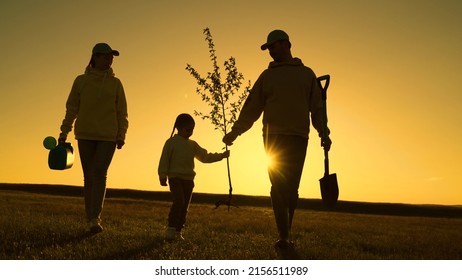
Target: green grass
x,y
44,226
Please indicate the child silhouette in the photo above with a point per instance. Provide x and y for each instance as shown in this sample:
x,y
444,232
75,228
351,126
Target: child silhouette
x,y
177,166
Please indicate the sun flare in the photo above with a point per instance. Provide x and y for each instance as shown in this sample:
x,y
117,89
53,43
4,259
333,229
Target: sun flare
x,y
269,160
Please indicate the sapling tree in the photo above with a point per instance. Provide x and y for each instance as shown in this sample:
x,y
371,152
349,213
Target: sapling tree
x,y
224,97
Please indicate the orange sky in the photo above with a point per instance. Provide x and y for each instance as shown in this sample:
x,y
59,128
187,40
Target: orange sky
x,y
394,100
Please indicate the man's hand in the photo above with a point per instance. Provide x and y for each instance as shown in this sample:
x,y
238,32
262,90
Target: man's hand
x,y
163,181
229,138
120,144
326,143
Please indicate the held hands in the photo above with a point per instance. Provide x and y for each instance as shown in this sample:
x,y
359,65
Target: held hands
x,y
229,138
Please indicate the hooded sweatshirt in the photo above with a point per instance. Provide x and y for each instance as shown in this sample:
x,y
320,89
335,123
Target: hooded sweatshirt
x,y
286,93
97,104
177,159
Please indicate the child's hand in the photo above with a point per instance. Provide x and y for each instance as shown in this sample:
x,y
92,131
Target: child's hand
x,y
163,181
226,154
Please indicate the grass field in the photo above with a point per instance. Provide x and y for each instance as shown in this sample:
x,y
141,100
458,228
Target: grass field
x,y
45,225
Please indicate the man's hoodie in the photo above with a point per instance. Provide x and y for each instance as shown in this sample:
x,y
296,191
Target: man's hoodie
x,y
287,93
97,104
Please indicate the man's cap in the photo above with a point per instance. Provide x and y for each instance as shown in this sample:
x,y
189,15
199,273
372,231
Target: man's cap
x,y
104,49
273,37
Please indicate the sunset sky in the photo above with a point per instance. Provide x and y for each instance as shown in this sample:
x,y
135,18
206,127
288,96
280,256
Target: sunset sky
x,y
394,103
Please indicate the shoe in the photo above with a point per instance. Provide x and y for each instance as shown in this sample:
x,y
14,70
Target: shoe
x,y
285,249
94,226
283,244
179,236
172,234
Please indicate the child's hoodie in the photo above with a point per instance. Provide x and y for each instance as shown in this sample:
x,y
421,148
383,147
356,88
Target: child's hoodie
x,y
177,159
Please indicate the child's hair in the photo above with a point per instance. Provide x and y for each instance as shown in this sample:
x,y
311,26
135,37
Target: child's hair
x,y
181,121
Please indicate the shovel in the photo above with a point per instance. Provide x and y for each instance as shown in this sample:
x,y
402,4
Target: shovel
x,y
329,185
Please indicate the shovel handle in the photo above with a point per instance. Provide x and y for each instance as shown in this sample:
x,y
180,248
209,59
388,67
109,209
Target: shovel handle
x,y
324,78
326,163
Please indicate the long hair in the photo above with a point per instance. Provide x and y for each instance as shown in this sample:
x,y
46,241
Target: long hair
x,y
181,121
92,61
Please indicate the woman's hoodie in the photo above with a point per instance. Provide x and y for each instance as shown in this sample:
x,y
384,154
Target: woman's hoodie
x,y
97,104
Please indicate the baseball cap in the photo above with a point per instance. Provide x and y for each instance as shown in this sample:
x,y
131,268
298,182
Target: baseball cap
x,y
104,49
273,37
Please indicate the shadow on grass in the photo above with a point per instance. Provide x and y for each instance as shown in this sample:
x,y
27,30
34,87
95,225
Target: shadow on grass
x,y
50,240
288,254
144,251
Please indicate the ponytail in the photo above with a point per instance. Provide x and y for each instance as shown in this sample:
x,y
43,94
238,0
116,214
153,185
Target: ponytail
x,y
173,131
181,121
92,62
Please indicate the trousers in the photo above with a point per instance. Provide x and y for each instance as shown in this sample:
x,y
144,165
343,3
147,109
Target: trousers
x,y
287,153
181,191
95,156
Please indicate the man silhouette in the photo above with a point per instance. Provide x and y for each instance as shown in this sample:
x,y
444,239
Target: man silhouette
x,y
287,94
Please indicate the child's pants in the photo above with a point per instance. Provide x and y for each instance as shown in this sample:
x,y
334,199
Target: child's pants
x,y
181,193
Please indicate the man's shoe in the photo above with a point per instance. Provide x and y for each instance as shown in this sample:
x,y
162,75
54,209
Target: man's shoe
x,y
282,244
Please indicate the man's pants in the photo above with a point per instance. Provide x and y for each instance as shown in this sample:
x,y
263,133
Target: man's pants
x,y
287,153
95,156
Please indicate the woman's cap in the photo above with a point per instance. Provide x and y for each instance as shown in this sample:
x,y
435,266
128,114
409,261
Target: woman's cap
x,y
104,49
273,37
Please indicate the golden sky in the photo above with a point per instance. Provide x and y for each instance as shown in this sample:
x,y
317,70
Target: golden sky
x,y
394,102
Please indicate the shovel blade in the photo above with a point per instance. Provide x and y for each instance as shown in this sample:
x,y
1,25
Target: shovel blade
x,y
329,190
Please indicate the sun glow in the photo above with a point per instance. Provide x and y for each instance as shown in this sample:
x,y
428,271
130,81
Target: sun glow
x,y
269,160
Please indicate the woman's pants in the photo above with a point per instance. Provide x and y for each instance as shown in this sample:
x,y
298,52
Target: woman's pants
x,y
181,194
287,154
95,156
